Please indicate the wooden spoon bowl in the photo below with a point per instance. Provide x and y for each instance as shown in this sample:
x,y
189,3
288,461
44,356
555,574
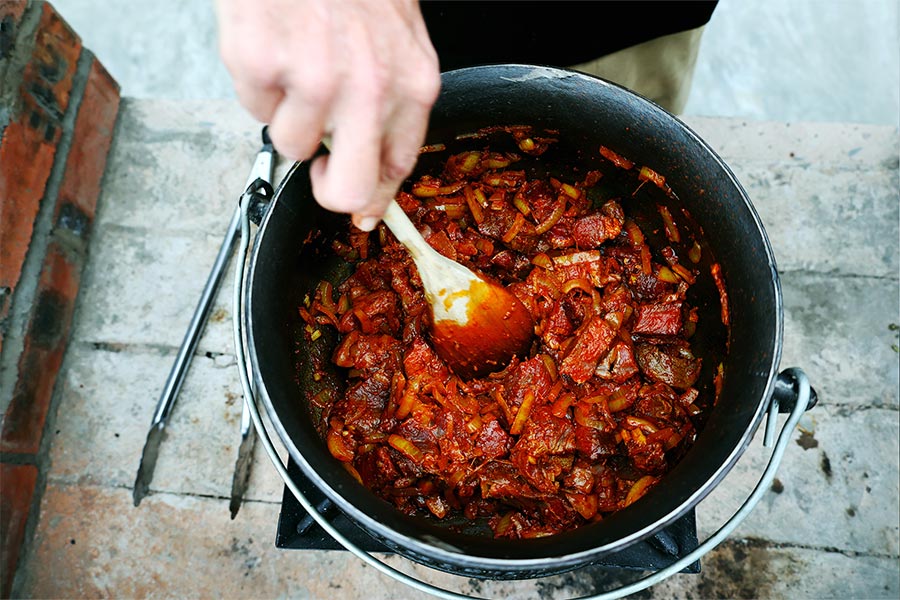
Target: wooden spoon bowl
x,y
477,325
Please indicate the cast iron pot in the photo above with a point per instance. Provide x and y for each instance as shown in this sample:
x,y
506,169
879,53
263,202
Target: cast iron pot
x,y
292,253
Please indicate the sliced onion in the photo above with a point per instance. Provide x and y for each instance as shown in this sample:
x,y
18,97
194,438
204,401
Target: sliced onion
x,y
520,203
684,273
640,487
542,260
426,189
515,228
666,274
618,400
475,206
578,283
474,424
522,414
338,446
648,174
694,253
634,232
408,400
353,472
432,148
503,525
501,401
574,258
550,364
560,407
644,424
615,158
571,191
671,229
646,266
406,447
450,188
554,217
470,161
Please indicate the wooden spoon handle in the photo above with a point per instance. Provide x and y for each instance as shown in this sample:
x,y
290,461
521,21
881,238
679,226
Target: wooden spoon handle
x,y
406,233
448,284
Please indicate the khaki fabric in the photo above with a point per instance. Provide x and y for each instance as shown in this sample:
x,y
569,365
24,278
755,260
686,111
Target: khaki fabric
x,y
660,70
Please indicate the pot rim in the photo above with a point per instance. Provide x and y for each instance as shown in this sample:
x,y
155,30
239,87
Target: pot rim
x,y
443,551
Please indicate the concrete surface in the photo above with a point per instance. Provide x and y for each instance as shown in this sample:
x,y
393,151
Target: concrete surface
x,y
810,60
828,196
800,60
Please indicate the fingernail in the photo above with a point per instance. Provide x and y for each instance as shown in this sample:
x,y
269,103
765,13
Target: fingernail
x,y
367,223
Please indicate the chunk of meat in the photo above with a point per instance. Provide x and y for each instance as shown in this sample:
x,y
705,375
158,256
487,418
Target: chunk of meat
x,y
594,444
422,359
368,352
592,339
493,440
664,318
528,376
544,439
500,479
362,406
619,364
594,229
669,364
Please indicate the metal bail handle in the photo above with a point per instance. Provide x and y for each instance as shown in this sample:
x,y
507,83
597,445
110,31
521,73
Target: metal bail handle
x,y
798,382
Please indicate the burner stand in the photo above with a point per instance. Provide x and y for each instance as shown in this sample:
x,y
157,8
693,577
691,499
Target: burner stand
x,y
298,531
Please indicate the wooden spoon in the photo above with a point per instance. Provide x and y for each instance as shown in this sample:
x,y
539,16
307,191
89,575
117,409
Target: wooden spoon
x,y
478,325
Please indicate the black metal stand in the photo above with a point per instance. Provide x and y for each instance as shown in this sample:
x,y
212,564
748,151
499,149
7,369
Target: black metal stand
x,y
297,531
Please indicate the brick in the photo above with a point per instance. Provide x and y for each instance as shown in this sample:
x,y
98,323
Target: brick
x,y
11,12
28,147
87,157
38,62
48,331
45,342
17,485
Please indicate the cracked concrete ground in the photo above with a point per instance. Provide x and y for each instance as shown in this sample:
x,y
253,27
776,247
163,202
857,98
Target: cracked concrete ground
x,y
828,528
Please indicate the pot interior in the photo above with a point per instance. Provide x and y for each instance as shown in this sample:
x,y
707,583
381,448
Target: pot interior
x,y
293,253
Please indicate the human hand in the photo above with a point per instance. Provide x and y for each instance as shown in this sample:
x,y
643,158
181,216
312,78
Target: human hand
x,y
363,72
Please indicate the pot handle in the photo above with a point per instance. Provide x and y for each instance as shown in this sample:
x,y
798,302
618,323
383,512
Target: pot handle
x,y
785,399
792,385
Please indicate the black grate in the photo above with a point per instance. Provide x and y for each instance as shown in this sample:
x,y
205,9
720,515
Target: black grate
x,y
297,531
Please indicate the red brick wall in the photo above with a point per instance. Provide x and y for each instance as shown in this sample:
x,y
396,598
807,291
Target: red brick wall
x,y
61,107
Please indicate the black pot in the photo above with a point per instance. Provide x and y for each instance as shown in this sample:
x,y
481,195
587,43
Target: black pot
x,y
292,254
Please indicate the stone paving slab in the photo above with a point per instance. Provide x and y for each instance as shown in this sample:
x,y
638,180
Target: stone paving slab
x,y
184,163
118,306
850,227
110,395
132,553
771,572
838,329
837,485
843,145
